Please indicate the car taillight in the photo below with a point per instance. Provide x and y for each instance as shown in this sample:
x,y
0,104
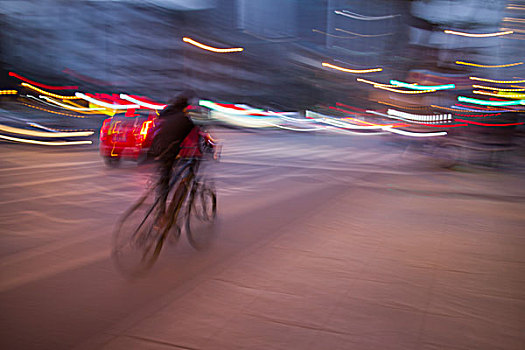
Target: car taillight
x,y
104,129
146,126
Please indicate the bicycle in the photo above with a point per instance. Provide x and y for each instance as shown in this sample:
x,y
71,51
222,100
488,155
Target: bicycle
x,y
142,230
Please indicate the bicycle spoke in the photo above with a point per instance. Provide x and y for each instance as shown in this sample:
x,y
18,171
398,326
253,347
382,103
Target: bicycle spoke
x,y
137,238
202,210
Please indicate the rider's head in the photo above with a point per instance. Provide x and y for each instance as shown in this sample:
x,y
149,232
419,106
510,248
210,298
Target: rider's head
x,y
182,100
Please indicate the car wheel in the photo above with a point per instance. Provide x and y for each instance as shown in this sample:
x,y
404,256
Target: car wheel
x,y
112,162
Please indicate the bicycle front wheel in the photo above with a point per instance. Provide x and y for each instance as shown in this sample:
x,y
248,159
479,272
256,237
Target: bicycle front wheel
x,y
137,239
202,213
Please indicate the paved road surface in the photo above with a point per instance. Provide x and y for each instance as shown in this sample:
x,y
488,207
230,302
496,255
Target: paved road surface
x,y
324,242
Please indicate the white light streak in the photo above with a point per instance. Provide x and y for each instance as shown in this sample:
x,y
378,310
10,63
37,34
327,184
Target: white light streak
x,y
46,143
142,103
361,17
19,131
104,104
68,106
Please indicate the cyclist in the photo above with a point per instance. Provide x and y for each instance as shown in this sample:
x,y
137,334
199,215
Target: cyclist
x,y
175,126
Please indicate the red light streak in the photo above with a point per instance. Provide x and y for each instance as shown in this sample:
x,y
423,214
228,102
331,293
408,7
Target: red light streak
x,y
478,115
347,106
49,87
488,124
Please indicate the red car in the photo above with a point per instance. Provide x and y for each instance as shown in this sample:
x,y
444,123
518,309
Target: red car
x,y
132,137
128,137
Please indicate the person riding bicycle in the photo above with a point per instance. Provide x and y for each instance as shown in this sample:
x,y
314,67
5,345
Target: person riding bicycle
x,y
175,126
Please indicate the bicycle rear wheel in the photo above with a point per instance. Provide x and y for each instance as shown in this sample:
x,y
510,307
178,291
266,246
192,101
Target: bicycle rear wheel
x,y
202,213
137,239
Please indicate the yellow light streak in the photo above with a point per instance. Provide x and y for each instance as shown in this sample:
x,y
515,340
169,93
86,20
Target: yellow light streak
x,y
511,95
487,110
50,111
8,92
498,81
403,107
488,66
19,131
511,19
374,83
347,70
479,92
516,30
487,35
46,143
211,48
497,89
71,108
49,93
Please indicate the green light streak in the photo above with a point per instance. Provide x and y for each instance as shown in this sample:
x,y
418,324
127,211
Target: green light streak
x,y
422,87
490,103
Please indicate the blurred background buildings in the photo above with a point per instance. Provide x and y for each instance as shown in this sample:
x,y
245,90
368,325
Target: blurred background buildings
x,y
136,46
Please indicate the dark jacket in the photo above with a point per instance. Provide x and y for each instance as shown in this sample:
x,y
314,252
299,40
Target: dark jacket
x,y
175,126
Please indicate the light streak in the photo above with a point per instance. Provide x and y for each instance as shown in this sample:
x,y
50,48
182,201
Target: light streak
x,y
332,35
436,118
404,107
70,107
49,93
492,109
490,103
8,92
488,124
496,88
415,134
389,87
367,124
373,82
515,7
142,103
498,81
512,19
104,104
407,133
471,35
35,125
211,48
412,92
470,109
216,107
42,85
362,35
518,96
50,111
511,95
46,143
361,17
351,107
488,66
318,117
295,129
324,64
19,131
422,87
